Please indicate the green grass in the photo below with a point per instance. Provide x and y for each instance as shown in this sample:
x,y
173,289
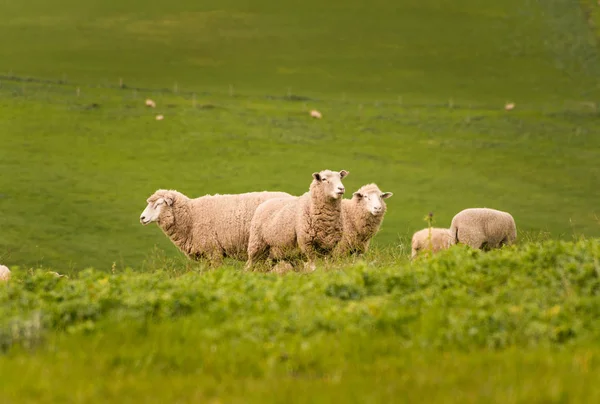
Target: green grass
x,y
513,325
79,175
418,49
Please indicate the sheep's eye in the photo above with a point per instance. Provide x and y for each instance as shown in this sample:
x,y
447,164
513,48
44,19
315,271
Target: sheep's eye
x,y
324,179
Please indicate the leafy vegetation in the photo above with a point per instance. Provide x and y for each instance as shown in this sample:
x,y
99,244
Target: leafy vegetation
x,y
332,326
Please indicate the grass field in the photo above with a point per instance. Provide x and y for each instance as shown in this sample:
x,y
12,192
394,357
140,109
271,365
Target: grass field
x,y
80,175
427,50
412,95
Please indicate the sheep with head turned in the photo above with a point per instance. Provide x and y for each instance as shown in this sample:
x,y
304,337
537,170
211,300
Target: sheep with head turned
x,y
433,239
306,226
483,228
362,216
210,227
4,273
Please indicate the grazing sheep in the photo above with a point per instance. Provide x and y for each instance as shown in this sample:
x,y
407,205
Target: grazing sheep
x,y
4,273
212,226
361,217
440,240
307,225
483,228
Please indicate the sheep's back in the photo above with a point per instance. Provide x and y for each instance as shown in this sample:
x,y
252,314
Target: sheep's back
x,y
491,222
440,238
275,221
226,219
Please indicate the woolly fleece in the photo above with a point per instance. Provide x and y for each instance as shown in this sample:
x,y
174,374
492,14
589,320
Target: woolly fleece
x,y
484,228
359,222
440,239
4,273
211,226
305,226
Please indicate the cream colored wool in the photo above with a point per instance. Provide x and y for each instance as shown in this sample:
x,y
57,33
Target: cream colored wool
x,y
361,217
483,228
4,273
441,239
211,226
307,226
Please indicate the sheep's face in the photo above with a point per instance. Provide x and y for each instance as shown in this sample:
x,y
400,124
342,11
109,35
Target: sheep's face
x,y
372,200
331,182
156,203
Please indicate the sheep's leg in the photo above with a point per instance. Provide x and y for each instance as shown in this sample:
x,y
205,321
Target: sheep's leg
x,y
339,251
308,251
257,250
310,264
282,267
508,240
216,258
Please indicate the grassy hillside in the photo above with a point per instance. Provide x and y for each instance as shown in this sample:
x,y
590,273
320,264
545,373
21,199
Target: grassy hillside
x,y
516,325
428,50
79,169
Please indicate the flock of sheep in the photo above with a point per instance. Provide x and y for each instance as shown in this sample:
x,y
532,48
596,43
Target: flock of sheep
x,y
282,229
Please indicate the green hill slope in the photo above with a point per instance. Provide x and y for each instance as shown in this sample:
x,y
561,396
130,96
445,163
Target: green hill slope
x,y
412,97
420,49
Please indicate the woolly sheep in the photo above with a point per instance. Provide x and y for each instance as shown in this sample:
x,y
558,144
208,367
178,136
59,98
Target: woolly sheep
x,y
483,228
440,240
4,273
361,217
211,226
304,226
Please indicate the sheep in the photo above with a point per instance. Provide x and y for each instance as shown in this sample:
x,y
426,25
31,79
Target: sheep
x,y
304,226
483,228
4,273
440,239
361,217
209,227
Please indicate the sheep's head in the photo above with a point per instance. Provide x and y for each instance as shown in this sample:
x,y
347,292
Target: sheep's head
x,y
156,202
371,199
330,182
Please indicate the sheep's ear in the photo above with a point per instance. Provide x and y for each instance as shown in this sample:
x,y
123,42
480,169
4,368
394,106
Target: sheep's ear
x,y
357,194
317,176
386,195
169,200
344,173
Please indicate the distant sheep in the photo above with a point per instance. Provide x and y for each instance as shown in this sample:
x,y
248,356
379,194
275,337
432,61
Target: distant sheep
x,y
4,273
304,226
441,239
483,228
361,217
211,227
